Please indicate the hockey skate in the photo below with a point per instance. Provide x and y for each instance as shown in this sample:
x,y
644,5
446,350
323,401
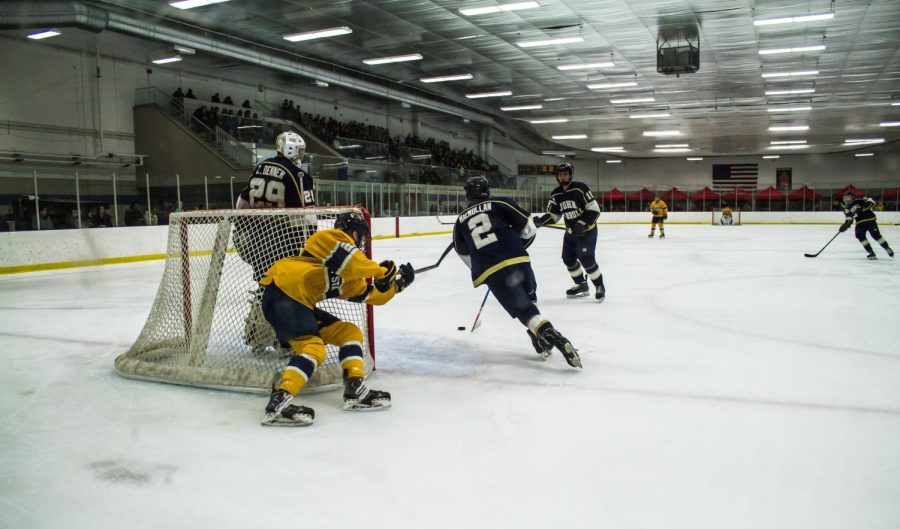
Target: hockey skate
x,y
889,252
600,295
662,235
650,236
872,257
358,397
542,347
280,411
579,290
552,336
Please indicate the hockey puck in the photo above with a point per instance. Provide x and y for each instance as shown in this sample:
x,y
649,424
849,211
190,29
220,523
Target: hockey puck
x,y
460,328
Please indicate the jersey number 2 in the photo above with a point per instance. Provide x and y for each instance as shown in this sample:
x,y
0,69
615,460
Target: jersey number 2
x,y
271,191
480,227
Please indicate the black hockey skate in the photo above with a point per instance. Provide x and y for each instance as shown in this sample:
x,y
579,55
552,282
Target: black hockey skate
x,y
600,294
889,252
541,346
579,290
551,335
280,411
358,397
872,257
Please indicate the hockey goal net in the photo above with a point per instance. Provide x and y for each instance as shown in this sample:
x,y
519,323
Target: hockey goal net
x,y
724,219
206,326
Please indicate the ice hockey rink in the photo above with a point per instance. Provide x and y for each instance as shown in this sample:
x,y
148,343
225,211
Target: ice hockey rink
x,y
728,382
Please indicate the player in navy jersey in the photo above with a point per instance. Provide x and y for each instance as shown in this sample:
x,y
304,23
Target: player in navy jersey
x,y
861,210
574,202
491,236
279,181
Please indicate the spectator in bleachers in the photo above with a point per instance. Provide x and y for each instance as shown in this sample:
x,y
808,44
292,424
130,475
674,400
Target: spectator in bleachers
x,y
228,101
215,98
246,104
190,94
44,221
133,215
178,94
102,220
151,218
284,109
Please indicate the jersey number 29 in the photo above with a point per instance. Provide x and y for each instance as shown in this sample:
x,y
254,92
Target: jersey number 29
x,y
480,228
263,191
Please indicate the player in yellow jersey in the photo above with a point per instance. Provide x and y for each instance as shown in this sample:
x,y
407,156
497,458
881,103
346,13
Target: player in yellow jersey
x,y
331,265
660,212
727,215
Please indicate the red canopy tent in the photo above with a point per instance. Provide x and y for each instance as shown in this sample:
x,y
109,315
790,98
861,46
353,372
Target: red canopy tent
x,y
705,194
891,194
770,193
737,194
849,189
804,193
643,194
612,194
674,194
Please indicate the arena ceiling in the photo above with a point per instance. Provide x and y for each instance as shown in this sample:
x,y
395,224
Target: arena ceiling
x,y
730,106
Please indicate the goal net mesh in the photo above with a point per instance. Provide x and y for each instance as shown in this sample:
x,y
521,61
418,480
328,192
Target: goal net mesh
x,y
206,326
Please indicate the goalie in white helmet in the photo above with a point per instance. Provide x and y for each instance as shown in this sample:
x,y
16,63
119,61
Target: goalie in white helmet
x,y
280,181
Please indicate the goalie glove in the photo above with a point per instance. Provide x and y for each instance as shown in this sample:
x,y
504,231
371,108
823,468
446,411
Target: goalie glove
x,y
578,228
384,284
405,277
845,226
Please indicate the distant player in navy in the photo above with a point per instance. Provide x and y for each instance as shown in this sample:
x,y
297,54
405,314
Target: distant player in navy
x,y
574,202
861,209
491,236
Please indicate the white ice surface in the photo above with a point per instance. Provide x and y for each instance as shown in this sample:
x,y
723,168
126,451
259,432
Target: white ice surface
x,y
728,382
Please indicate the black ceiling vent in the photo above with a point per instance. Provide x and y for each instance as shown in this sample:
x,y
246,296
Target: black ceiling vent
x,y
561,26
678,52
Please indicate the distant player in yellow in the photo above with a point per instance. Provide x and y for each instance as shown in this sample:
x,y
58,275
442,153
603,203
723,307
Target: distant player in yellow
x,y
331,265
727,215
660,212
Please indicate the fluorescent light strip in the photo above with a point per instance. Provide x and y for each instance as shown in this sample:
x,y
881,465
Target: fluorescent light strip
x,y
585,66
166,60
558,120
799,49
788,128
662,133
445,78
771,157
799,73
523,107
889,124
671,145
789,109
671,150
472,11
318,34
610,86
861,154
555,99
559,153
396,58
613,161
780,147
863,141
632,100
570,137
480,95
608,149
788,92
787,142
548,42
190,4
694,159
791,20
44,35
649,116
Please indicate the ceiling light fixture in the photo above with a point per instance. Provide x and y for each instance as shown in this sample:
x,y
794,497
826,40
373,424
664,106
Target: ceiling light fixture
x,y
863,141
190,4
889,124
555,120
788,128
694,159
787,142
44,34
791,20
799,49
585,66
166,60
671,150
671,145
780,147
662,133
799,73
788,92
445,78
608,149
522,107
571,137
789,109
632,100
472,11
499,93
559,153
861,154
649,116
611,86
548,42
318,34
396,58
555,99
771,157
613,161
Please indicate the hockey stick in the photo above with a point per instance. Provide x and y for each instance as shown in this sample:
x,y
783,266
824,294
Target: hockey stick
x,y
823,248
438,263
438,217
477,321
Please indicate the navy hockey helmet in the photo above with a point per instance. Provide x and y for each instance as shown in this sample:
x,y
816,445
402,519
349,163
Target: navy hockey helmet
x,y
565,167
849,197
477,188
352,221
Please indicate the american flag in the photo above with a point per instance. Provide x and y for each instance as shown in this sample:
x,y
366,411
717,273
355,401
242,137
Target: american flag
x,y
726,177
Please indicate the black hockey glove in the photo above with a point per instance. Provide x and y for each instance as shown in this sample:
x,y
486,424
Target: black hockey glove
x,y
845,226
579,228
543,220
384,284
405,277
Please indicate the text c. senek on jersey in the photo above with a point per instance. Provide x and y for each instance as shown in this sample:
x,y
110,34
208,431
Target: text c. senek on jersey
x,y
274,172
